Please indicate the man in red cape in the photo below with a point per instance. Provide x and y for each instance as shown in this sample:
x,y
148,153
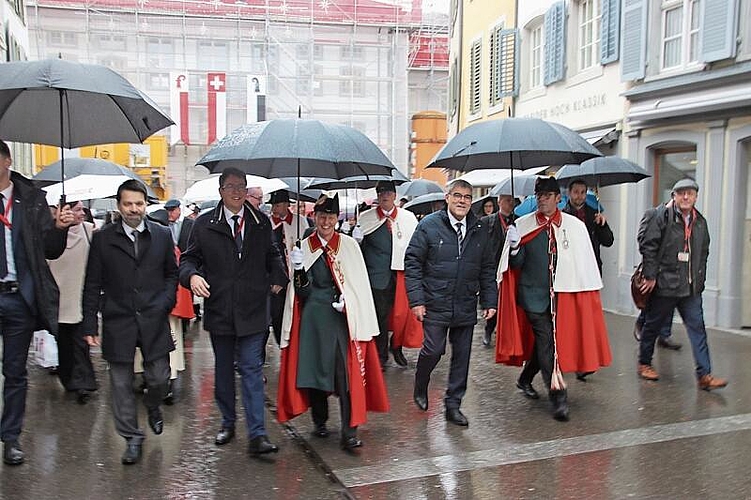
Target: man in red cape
x,y
550,301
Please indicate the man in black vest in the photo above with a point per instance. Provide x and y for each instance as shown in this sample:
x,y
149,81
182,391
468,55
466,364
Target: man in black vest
x,y
28,292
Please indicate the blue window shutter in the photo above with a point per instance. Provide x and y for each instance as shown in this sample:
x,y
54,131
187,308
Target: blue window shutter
x,y
610,31
509,51
719,20
555,53
634,46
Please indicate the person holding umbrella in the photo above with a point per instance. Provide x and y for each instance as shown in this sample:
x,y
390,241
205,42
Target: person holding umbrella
x,y
28,293
599,231
385,233
233,263
550,301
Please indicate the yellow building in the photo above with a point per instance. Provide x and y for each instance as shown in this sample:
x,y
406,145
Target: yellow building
x,y
428,137
483,71
148,160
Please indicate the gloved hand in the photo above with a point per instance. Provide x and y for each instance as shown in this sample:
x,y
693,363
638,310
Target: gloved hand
x,y
295,257
357,234
339,306
513,237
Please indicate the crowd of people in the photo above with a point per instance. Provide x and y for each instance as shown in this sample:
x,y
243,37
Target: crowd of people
x,y
340,302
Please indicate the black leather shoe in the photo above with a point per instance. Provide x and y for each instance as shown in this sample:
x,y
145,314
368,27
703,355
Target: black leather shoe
x,y
12,453
486,339
156,421
560,406
350,443
527,389
667,343
132,454
455,416
82,396
261,445
224,435
582,376
399,358
321,431
421,398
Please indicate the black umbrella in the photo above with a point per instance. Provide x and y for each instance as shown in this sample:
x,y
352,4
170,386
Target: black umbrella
x,y
424,204
603,171
69,104
418,187
515,143
357,182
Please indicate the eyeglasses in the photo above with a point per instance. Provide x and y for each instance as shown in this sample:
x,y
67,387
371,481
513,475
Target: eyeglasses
x,y
460,197
232,187
259,198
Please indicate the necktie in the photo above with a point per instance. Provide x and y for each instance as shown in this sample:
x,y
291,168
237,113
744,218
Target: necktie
x,y
135,234
459,236
3,258
237,233
173,228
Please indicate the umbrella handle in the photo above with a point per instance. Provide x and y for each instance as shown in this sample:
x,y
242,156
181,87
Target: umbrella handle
x,y
62,201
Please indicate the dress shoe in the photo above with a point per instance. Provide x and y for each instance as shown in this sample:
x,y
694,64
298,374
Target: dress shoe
x,y
399,358
421,398
321,431
350,443
12,453
224,435
637,331
560,406
708,382
486,339
582,376
132,454
455,416
667,343
261,445
647,372
156,421
527,389
82,396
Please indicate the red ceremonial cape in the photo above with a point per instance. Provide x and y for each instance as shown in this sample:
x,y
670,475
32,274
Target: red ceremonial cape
x,y
407,329
184,303
367,390
581,334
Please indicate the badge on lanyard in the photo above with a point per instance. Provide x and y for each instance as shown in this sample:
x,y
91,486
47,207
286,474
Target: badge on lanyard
x,y
683,256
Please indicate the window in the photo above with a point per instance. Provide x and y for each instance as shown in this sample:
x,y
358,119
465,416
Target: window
x,y
495,64
672,165
158,81
160,53
213,54
589,33
453,88
680,33
475,75
352,81
112,42
535,56
62,38
302,51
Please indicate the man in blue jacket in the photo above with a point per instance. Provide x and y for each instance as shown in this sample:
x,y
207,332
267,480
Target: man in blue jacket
x,y
448,262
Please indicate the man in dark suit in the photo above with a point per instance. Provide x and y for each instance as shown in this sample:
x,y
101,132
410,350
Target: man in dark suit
x,y
179,226
599,231
232,262
497,224
131,277
449,262
28,292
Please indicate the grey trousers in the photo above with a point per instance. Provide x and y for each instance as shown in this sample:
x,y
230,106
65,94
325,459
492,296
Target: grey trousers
x,y
156,373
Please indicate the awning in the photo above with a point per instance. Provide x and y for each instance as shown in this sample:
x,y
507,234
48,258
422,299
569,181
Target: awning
x,y
601,136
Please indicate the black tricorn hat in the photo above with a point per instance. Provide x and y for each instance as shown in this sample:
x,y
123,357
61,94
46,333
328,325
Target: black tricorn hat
x,y
385,186
280,196
547,185
327,205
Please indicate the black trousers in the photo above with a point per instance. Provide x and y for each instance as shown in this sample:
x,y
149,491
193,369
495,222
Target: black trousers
x,y
384,302
319,400
276,304
433,347
74,361
542,355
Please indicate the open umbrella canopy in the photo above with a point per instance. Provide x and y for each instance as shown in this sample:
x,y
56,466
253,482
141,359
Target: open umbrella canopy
x,y
85,187
69,104
529,205
52,173
524,185
208,189
519,143
603,171
297,147
426,203
418,187
357,182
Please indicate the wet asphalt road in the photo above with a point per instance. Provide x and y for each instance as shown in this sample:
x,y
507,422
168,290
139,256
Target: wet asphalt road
x,y
627,438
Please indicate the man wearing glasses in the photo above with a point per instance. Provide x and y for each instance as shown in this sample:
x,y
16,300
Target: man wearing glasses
x,y
232,262
255,197
449,261
550,289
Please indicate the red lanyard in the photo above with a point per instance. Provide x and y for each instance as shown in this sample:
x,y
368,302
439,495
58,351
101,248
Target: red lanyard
x,y
503,221
4,218
687,228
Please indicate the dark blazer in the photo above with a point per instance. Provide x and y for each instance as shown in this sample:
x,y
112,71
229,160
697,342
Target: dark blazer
x,y
135,296
598,235
496,233
239,285
183,237
446,284
35,239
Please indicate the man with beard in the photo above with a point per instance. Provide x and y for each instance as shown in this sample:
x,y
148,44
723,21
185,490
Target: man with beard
x,y
131,277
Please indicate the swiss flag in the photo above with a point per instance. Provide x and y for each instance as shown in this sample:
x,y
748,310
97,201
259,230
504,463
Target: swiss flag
x,y
179,107
216,83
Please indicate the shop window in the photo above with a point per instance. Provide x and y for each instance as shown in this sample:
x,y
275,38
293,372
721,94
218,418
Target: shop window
x,y
672,165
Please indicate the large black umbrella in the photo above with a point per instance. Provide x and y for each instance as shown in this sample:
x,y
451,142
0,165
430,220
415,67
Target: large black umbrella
x,y
357,182
603,171
424,204
74,167
69,104
418,187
